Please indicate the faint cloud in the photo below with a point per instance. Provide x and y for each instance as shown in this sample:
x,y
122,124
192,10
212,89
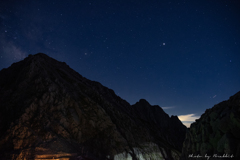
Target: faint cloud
x,y
214,96
188,119
170,107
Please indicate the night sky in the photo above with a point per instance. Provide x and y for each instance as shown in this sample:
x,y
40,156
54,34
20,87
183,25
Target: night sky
x,y
182,55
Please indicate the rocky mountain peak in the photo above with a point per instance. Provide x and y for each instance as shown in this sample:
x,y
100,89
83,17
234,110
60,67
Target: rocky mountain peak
x,y
144,102
49,110
216,133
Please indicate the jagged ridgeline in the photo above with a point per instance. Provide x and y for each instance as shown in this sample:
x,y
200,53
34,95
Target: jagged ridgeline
x,y
216,135
47,110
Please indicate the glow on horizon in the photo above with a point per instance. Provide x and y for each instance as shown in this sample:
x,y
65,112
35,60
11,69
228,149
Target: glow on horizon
x,y
188,119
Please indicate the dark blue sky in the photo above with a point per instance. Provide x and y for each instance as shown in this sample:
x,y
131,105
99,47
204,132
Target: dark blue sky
x,y
183,55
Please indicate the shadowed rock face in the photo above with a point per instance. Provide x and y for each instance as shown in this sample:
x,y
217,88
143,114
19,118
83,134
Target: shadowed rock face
x,y
159,123
50,111
216,133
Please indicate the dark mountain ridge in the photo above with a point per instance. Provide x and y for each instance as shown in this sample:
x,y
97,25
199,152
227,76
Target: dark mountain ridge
x,y
216,134
50,111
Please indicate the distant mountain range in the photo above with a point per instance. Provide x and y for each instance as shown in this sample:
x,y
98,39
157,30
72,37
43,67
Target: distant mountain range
x,y
49,111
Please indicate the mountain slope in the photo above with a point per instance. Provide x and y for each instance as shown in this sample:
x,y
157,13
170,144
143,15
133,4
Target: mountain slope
x,y
49,110
217,133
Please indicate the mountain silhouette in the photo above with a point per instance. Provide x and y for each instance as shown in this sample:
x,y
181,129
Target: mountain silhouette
x,y
216,135
48,110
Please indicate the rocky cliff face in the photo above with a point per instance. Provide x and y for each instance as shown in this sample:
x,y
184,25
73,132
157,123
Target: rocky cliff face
x,y
47,110
159,123
216,134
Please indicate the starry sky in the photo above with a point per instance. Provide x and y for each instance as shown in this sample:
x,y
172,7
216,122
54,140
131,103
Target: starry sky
x,y
182,55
